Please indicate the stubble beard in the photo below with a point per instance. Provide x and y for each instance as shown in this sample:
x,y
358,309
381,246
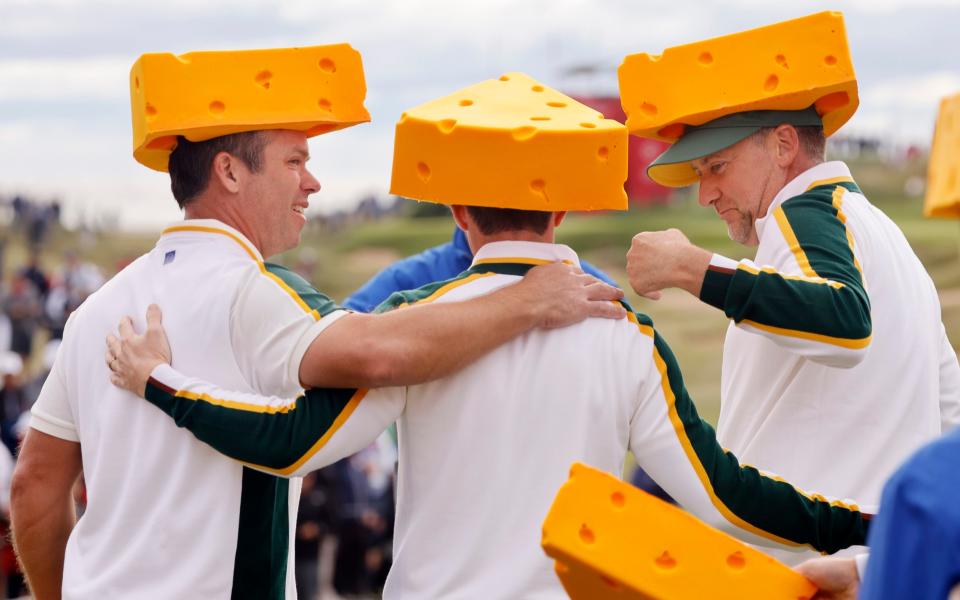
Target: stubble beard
x,y
741,230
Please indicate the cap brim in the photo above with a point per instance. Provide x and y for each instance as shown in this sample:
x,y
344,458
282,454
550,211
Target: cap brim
x,y
673,169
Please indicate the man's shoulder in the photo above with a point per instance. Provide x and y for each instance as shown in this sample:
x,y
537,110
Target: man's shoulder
x,y
425,292
292,283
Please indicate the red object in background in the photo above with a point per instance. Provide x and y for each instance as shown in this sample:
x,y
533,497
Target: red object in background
x,y
640,153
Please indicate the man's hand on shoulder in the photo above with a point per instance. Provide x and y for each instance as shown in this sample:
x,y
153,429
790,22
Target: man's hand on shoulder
x,y
663,259
132,357
561,294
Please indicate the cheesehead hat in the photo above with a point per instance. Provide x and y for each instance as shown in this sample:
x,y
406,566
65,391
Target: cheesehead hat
x,y
943,173
203,95
776,74
510,142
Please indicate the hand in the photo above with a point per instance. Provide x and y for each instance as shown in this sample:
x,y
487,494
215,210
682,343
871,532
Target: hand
x,y
663,259
133,357
837,578
562,295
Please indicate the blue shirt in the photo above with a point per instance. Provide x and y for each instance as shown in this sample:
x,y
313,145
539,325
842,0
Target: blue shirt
x,y
915,539
434,264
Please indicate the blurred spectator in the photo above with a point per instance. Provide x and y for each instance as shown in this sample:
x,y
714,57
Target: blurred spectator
x,y
365,505
35,275
22,306
13,404
78,280
313,525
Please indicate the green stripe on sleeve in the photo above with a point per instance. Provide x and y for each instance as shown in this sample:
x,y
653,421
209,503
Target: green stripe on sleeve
x,y
274,440
314,298
763,505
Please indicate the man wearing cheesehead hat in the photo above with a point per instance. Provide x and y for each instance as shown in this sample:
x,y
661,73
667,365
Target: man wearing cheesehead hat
x,y
836,365
483,451
167,517
915,539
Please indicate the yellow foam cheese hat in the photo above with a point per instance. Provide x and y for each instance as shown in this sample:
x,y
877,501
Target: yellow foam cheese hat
x,y
943,173
203,95
510,142
612,540
788,66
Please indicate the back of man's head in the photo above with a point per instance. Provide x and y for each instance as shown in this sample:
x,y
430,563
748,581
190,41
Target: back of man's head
x,y
491,221
192,162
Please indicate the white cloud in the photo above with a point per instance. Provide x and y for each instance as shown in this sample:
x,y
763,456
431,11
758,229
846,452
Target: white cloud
x,y
64,80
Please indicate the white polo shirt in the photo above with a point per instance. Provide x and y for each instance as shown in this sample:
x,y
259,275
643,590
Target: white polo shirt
x,y
836,366
167,517
484,451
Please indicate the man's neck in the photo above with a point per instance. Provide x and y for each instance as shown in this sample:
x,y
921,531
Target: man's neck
x,y
480,240
205,208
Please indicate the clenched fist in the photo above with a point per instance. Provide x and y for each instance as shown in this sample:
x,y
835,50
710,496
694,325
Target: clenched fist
x,y
663,259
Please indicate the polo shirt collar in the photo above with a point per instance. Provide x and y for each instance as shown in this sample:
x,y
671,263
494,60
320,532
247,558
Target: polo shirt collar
x,y
536,253
213,229
834,171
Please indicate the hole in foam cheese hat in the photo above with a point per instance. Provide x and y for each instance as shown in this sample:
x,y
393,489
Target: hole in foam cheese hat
x,y
788,66
203,95
514,143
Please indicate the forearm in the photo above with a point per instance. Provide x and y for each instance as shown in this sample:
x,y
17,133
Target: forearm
x,y
277,435
41,526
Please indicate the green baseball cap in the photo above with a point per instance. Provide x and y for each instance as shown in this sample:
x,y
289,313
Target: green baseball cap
x,y
673,169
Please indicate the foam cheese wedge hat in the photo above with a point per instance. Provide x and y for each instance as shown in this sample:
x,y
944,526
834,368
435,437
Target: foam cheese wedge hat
x,y
510,142
611,540
789,66
943,173
203,95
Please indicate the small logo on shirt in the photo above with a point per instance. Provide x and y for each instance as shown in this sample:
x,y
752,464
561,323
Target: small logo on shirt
x,y
169,256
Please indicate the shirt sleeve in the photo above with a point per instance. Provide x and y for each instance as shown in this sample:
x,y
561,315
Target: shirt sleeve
x,y
275,317
814,300
282,436
949,385
681,453
51,413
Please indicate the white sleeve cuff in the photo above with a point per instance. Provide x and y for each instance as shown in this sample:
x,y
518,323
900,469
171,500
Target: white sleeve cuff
x,y
53,426
718,260
293,365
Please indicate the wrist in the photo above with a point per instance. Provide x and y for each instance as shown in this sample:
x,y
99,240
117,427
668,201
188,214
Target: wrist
x,y
693,269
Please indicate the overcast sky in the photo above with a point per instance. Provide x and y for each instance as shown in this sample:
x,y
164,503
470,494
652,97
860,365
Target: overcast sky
x,y
64,64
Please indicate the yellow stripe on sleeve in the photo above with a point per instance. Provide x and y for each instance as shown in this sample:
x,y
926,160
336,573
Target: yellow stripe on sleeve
x,y
815,337
342,418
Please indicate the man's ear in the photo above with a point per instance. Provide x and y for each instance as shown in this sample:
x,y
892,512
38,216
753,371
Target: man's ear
x,y
460,216
786,145
558,217
227,172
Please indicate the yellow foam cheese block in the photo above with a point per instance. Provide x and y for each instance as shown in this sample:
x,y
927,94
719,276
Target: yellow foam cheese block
x,y
787,66
943,173
612,540
510,142
202,95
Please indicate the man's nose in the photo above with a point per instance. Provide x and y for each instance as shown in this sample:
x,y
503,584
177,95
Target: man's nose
x,y
707,194
309,183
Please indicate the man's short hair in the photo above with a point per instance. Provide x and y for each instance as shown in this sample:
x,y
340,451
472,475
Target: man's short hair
x,y
191,162
812,141
497,220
